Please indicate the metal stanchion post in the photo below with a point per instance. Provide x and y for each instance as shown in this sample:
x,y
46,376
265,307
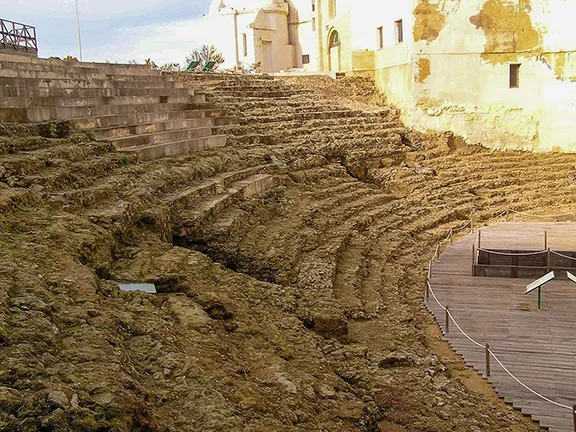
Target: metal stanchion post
x,y
447,320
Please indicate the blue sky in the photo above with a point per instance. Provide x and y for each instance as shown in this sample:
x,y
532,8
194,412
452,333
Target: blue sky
x,y
114,30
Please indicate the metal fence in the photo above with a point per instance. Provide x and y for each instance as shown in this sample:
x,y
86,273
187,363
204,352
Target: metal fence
x,y
18,36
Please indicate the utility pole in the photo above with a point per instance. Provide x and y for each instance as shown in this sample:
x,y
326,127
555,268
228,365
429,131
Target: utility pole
x,y
78,25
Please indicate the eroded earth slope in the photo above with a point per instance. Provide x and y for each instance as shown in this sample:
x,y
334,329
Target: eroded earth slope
x,y
291,267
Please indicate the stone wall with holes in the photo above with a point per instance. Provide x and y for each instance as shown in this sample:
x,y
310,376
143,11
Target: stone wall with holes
x,y
462,59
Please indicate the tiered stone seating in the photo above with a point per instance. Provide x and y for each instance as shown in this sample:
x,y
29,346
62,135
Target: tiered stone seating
x,y
136,108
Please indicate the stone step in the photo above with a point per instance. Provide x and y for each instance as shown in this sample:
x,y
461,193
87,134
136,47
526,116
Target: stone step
x,y
163,126
119,120
145,139
33,161
94,74
39,102
281,130
73,83
157,151
193,221
66,175
250,122
184,199
223,79
51,92
260,94
24,115
18,64
311,115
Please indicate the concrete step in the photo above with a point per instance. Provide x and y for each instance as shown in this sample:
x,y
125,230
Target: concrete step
x,y
148,128
192,222
119,120
31,92
68,83
157,151
63,113
39,102
145,139
74,74
48,65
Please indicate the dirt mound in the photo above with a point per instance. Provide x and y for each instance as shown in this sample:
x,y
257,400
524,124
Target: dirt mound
x,y
284,305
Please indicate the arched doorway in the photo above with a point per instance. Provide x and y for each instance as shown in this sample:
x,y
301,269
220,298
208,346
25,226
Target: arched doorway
x,y
334,51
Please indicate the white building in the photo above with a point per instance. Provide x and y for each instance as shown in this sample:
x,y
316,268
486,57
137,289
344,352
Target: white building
x,y
501,73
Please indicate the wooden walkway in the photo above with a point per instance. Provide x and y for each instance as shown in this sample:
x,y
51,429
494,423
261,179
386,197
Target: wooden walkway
x,y
538,347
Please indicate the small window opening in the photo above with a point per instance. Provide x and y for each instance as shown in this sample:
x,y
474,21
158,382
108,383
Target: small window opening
x,y
313,5
399,31
305,58
245,44
514,75
380,33
313,24
332,9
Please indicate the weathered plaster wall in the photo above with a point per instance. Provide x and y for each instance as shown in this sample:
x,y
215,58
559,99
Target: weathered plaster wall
x,y
259,22
303,25
272,26
462,56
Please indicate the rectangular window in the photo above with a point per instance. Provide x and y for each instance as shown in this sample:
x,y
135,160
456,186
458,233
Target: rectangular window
x,y
380,34
399,31
313,24
514,75
313,5
332,9
305,58
245,44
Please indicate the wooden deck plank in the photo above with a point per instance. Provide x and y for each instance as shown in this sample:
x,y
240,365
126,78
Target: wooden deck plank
x,y
538,347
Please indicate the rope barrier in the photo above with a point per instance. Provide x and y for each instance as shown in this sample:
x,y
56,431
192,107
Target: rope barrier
x,y
505,212
562,255
542,216
472,340
463,226
494,355
525,386
511,253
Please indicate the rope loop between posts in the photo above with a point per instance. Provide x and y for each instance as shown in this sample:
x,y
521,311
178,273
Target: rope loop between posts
x,y
431,290
542,216
461,330
562,255
512,253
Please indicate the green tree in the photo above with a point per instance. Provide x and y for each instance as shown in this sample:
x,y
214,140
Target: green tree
x,y
205,54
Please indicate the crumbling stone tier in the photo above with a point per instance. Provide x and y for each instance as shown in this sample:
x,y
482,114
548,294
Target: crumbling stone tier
x,y
286,224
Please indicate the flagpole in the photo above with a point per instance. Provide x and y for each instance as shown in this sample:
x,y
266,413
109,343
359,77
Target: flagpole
x,y
78,25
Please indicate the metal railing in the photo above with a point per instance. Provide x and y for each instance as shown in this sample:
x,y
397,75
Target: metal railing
x,y
18,36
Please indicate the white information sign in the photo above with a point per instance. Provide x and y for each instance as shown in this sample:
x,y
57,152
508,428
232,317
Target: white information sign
x,y
538,283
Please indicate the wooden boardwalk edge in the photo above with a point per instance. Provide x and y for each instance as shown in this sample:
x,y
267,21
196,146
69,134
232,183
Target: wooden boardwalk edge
x,y
538,347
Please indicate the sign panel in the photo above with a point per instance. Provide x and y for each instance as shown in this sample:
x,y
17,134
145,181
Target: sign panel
x,y
538,283
149,288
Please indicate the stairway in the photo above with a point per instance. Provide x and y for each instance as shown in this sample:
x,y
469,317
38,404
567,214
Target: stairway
x,y
134,107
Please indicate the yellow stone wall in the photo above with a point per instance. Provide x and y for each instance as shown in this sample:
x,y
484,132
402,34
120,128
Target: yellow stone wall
x,y
462,56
